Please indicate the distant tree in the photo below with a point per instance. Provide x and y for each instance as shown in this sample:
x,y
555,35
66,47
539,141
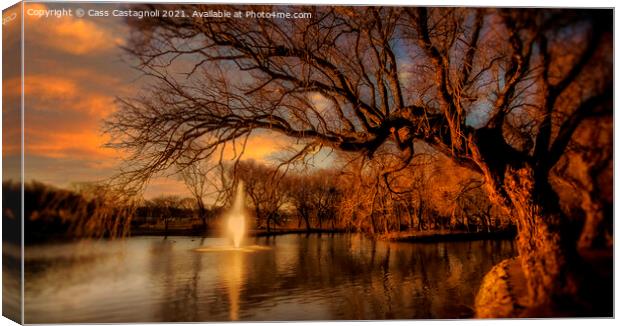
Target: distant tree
x,y
263,188
326,197
300,195
165,208
196,177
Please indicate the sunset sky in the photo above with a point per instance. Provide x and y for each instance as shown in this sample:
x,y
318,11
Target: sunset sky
x,y
74,70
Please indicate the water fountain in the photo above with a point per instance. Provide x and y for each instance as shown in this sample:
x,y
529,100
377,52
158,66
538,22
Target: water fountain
x,y
236,217
235,227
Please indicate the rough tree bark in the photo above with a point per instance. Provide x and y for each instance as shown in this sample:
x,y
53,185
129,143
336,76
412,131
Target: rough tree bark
x,y
546,249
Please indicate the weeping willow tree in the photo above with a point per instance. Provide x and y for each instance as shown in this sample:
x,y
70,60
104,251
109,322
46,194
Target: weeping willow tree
x,y
498,91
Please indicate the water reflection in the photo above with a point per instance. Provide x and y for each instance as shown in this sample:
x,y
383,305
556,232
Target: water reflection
x,y
232,274
301,278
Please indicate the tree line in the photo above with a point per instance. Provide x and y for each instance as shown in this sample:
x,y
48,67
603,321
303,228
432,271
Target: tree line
x,y
347,199
350,199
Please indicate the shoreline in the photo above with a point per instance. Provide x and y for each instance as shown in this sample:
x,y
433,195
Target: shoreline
x,y
413,237
451,236
405,236
214,233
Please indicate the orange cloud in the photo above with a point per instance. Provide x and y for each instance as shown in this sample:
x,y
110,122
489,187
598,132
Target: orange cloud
x,y
68,34
65,93
75,145
46,87
261,146
63,119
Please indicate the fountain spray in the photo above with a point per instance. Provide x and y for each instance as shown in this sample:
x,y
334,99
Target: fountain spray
x,y
236,217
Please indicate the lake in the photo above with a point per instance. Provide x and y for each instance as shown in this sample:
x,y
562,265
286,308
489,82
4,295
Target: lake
x,y
299,277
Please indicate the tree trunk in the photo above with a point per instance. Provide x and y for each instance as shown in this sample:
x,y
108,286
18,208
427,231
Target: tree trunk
x,y
546,252
257,212
485,222
420,211
307,219
373,223
165,227
592,234
410,217
203,213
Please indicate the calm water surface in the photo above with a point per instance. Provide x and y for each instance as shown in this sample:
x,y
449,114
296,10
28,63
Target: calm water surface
x,y
315,277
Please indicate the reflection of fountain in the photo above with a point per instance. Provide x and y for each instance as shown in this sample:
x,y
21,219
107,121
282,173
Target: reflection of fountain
x,y
233,276
236,217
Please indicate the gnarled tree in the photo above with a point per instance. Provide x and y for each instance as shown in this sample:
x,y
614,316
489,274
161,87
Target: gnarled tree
x,y
499,91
